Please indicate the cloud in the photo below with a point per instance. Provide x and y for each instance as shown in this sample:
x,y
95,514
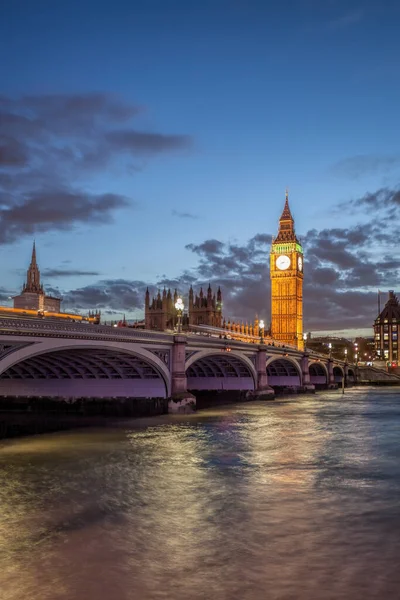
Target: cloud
x,y
116,295
56,210
346,20
49,141
57,273
183,215
355,167
208,247
136,141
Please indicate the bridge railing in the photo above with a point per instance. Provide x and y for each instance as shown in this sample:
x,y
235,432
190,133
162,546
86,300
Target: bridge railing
x,y
39,326
31,326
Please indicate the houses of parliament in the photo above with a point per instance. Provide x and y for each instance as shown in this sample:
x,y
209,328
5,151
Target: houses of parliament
x,y
204,308
286,272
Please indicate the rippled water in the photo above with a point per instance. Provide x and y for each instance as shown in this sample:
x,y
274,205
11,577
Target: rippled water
x,y
297,499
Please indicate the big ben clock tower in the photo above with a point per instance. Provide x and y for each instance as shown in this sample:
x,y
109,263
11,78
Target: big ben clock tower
x,y
286,270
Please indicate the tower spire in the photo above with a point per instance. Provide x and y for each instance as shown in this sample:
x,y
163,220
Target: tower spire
x,y
33,259
286,223
286,214
33,274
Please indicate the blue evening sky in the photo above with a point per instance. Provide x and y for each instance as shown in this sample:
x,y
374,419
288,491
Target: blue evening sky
x,y
302,94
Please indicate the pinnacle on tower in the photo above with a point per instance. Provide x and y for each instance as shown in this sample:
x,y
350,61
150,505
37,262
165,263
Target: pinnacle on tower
x,y
33,259
286,214
33,275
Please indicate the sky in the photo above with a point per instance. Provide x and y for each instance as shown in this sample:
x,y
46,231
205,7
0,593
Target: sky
x,y
150,143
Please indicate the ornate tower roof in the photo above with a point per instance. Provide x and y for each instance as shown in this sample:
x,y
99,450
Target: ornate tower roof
x,y
286,224
286,214
33,275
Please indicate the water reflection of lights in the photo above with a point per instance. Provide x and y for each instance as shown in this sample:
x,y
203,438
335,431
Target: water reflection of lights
x,y
227,503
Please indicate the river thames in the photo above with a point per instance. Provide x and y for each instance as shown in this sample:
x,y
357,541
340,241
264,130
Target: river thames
x,y
296,499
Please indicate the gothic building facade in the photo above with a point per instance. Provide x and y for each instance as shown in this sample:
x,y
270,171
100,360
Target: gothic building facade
x,y
203,309
160,313
33,296
286,272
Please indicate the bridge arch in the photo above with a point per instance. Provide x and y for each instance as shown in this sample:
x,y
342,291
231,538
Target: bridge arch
x,y
68,368
338,373
351,376
318,373
283,371
211,370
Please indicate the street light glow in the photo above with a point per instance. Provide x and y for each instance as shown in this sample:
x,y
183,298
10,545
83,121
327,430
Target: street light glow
x,y
179,304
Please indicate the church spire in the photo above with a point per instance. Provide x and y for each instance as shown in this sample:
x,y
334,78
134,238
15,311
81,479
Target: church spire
x,y
33,259
33,274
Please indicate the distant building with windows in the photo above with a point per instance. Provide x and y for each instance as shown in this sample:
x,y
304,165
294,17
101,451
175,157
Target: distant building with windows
x,y
386,330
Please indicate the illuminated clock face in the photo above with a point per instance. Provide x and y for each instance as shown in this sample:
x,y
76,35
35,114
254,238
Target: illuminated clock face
x,y
283,262
300,263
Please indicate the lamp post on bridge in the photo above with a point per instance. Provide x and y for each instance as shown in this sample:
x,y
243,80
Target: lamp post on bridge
x,y
261,326
305,341
330,350
179,306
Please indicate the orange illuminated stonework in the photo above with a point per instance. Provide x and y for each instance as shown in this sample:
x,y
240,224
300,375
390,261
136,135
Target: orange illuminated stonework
x,y
286,271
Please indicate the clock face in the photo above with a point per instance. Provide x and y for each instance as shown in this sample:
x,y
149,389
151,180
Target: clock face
x,y
300,263
283,262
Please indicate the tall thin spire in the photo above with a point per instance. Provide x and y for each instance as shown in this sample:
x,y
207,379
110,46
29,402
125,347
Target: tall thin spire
x,y
33,259
286,223
33,274
286,214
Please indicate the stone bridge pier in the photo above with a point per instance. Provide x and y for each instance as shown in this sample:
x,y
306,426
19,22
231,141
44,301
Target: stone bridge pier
x,y
331,376
305,371
263,391
181,400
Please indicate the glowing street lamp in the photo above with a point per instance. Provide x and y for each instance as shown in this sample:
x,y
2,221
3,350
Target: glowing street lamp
x,y
330,350
356,352
179,309
261,328
305,340
345,354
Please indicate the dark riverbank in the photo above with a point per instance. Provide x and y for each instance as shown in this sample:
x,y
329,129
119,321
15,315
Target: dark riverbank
x,y
30,416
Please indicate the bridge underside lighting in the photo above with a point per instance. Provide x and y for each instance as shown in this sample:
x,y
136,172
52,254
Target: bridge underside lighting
x,y
82,364
218,366
282,367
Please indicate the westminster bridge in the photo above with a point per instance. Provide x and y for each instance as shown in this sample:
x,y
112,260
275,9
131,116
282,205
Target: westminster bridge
x,y
43,358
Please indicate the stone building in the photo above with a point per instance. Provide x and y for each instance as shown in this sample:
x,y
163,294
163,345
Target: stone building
x,y
286,272
160,313
386,331
33,296
205,309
